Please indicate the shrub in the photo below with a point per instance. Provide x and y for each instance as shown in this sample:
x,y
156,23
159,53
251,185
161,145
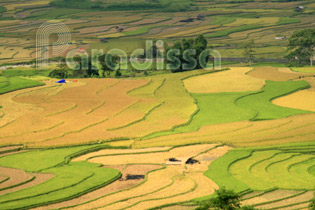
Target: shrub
x,y
117,73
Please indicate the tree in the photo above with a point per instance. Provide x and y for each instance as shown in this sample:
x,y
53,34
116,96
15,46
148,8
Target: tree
x,y
105,60
248,51
78,60
92,70
301,47
118,73
101,73
187,44
198,44
224,200
61,72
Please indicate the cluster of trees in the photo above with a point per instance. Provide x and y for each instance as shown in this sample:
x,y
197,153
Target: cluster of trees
x,y
186,53
2,10
84,67
301,48
182,56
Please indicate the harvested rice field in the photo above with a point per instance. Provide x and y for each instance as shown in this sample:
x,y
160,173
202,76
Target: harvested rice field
x,y
271,73
300,100
214,83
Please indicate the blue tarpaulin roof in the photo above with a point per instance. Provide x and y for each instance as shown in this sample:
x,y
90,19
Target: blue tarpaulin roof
x,y
62,81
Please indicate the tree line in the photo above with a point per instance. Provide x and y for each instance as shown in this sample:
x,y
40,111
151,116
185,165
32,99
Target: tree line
x,y
181,56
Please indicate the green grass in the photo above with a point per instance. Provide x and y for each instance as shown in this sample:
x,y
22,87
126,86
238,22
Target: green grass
x,y
128,45
303,70
216,108
270,64
244,168
16,83
222,20
25,72
288,20
220,174
312,170
281,177
37,160
261,102
71,179
263,168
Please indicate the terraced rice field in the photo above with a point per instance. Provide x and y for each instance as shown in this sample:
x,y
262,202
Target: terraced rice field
x,y
281,199
223,22
161,186
42,184
139,108
108,143
266,169
133,126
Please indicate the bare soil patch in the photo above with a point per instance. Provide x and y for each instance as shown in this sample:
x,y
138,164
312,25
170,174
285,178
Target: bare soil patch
x,y
113,187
